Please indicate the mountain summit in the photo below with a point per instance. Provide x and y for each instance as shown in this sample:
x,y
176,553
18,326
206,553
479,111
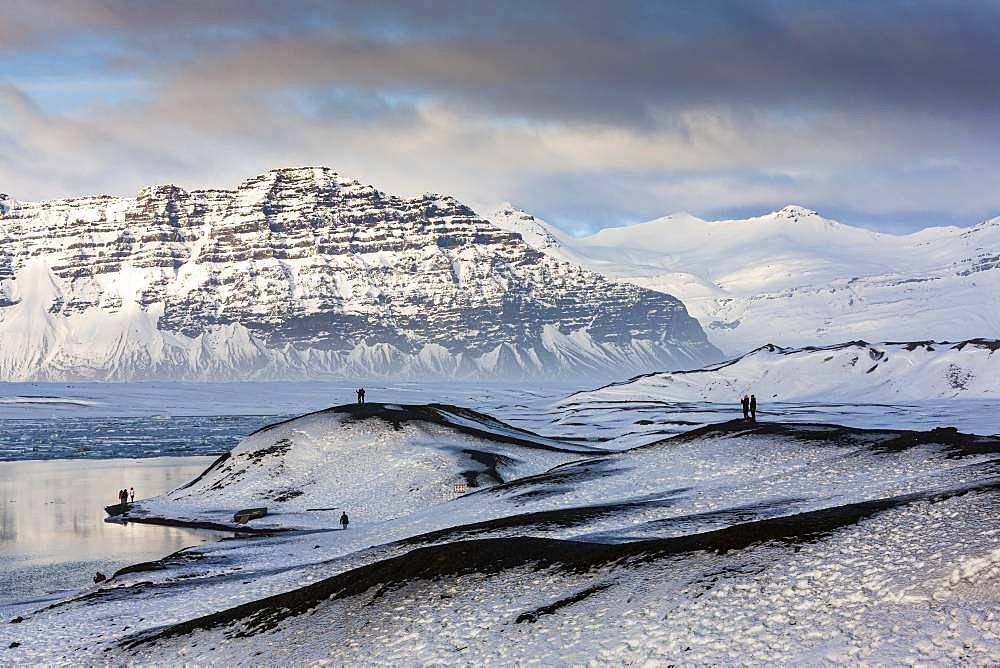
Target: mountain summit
x,y
302,273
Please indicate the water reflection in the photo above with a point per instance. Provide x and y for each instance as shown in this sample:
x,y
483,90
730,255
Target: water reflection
x,y
52,531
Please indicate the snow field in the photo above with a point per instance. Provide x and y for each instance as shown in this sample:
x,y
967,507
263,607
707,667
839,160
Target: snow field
x,y
876,592
915,581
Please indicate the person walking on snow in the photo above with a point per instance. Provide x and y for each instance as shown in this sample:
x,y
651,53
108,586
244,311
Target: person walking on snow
x,y
746,407
131,493
361,395
753,408
344,521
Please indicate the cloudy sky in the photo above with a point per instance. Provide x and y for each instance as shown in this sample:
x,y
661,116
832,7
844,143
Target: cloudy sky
x,y
884,114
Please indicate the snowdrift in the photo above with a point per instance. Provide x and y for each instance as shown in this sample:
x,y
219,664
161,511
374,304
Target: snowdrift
x,y
855,372
376,461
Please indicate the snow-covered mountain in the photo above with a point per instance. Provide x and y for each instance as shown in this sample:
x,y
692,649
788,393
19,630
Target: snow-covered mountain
x,y
794,278
852,372
302,273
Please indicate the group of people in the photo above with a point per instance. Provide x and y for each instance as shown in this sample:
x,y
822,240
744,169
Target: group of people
x,y
126,495
361,395
749,408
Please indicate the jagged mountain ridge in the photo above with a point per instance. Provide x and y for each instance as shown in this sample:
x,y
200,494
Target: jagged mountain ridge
x,y
794,278
303,273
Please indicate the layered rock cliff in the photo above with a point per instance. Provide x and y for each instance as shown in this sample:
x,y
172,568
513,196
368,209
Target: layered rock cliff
x,y
303,273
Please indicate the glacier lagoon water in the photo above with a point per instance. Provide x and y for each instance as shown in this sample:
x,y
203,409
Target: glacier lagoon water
x,y
52,531
73,437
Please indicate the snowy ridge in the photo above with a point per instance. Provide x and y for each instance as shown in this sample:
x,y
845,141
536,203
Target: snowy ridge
x,y
767,543
414,455
301,273
536,233
795,278
854,372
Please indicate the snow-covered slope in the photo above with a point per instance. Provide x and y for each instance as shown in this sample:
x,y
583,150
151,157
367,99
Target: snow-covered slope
x,y
734,543
301,273
792,277
380,461
855,372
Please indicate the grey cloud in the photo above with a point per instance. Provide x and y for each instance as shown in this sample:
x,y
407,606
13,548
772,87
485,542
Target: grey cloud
x,y
617,110
586,61
559,60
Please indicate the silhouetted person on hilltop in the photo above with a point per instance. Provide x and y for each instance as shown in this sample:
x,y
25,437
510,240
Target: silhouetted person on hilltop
x,y
746,408
344,521
753,408
361,395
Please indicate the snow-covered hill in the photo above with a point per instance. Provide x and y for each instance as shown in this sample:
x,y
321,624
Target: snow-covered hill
x,y
734,543
415,456
794,278
855,372
301,273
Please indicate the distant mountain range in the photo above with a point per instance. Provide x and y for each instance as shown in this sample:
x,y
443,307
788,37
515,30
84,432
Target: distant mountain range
x,y
794,278
302,273
854,372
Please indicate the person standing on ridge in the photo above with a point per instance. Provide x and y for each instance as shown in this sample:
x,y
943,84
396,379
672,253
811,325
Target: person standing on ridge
x,y
361,395
753,408
131,493
746,408
344,521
